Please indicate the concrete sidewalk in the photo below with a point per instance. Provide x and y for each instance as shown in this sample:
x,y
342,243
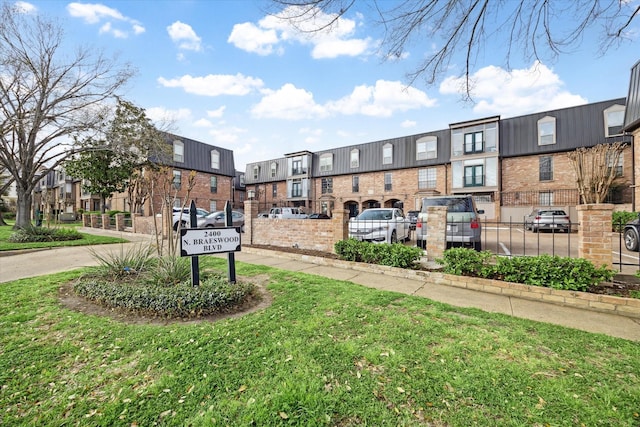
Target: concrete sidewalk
x,y
30,264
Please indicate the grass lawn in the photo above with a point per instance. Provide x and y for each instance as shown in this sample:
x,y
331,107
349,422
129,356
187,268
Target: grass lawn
x,y
87,239
325,352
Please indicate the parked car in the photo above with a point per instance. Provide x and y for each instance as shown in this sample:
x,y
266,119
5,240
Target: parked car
x,y
548,219
181,216
319,216
263,215
287,213
631,234
413,219
217,219
380,225
463,225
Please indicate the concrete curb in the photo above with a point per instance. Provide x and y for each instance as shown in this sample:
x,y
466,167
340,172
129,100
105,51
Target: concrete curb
x,y
628,307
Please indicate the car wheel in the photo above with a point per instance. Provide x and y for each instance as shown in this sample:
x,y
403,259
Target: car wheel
x,y
477,246
534,229
630,239
182,224
394,237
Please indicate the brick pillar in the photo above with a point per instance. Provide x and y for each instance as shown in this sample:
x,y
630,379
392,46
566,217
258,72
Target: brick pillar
x,y
436,231
94,221
134,216
594,233
636,171
340,222
106,221
86,220
120,222
251,208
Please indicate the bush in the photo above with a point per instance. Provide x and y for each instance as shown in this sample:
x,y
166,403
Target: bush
x,y
620,218
575,274
214,295
394,255
135,260
44,234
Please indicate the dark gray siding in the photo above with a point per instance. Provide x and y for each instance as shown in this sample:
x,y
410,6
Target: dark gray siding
x,y
581,126
404,155
264,174
197,156
632,112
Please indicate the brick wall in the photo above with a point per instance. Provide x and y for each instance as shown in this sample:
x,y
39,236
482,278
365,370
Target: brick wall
x,y
318,235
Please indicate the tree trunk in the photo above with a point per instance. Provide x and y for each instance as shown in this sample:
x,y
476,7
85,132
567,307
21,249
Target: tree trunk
x,y
23,214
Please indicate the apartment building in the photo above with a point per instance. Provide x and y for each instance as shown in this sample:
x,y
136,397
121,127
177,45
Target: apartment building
x,y
509,165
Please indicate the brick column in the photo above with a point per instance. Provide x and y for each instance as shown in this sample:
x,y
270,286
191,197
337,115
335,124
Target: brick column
x,y
86,220
106,221
340,222
94,221
594,233
436,231
120,222
250,215
133,220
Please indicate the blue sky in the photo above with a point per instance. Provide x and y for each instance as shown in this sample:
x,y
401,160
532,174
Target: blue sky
x,y
228,74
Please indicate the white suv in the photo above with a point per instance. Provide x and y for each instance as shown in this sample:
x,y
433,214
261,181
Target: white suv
x,y
181,217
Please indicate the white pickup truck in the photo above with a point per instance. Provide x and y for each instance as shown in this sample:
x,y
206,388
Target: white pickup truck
x,y
380,225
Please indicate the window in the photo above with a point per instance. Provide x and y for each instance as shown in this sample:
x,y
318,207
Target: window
x,y
546,168
474,176
214,184
613,120
242,184
618,167
387,154
178,151
427,148
326,162
355,158
213,206
274,169
387,181
296,166
215,159
274,190
256,172
177,179
547,131
327,185
545,198
474,142
355,184
426,178
296,188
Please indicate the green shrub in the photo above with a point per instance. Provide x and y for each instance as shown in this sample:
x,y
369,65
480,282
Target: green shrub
x,y
394,255
620,218
134,260
214,295
576,274
170,270
44,234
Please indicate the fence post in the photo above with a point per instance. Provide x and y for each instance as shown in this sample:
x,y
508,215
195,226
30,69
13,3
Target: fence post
x,y
250,215
340,222
436,232
594,233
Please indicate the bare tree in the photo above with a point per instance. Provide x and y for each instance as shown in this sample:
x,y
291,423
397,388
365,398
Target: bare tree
x,y
461,29
47,97
595,169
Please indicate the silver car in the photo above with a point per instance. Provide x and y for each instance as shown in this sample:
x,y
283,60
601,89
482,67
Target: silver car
x,y
548,219
216,219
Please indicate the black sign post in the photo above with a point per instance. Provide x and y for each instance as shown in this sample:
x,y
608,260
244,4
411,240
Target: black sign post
x,y
231,257
195,263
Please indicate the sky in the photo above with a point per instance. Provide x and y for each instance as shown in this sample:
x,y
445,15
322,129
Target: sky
x,y
230,74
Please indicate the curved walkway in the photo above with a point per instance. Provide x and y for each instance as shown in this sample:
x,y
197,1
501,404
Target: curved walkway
x,y
25,264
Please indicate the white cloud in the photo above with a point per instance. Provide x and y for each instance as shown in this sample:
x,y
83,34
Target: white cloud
x,y
164,115
107,16
217,113
203,123
24,7
288,102
337,39
226,135
381,100
515,92
184,36
250,38
214,84
408,124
